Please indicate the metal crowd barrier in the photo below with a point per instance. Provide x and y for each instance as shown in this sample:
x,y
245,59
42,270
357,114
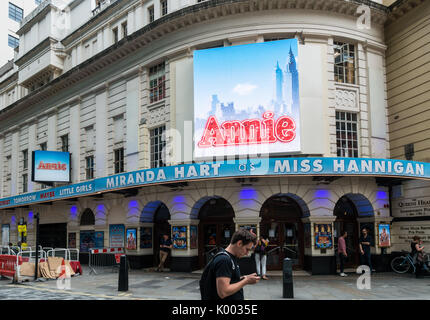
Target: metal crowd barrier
x,y
58,252
27,256
102,259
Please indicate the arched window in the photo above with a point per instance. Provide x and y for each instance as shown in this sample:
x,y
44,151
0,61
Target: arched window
x,y
87,218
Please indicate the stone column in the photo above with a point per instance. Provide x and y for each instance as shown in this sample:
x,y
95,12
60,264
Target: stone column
x,y
184,260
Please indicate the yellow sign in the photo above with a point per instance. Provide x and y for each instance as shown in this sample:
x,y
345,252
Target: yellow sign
x,y
22,228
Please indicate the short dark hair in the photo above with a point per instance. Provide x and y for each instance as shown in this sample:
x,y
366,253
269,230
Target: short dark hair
x,y
244,235
343,232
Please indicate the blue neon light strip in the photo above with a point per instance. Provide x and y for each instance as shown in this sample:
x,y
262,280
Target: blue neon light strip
x,y
231,169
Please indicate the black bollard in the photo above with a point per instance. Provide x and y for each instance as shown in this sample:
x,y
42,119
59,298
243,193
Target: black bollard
x,y
287,276
123,274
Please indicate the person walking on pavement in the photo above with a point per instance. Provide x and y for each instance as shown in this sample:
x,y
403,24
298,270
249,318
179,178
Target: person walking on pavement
x,y
261,257
165,247
341,248
221,278
364,244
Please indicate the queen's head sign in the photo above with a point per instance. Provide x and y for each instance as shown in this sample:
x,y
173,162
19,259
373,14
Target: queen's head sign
x,y
246,100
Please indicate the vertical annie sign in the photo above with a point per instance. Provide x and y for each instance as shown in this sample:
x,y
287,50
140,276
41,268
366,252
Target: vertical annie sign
x,y
246,99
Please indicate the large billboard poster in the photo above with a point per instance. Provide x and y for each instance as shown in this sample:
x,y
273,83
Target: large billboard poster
x,y
246,99
51,166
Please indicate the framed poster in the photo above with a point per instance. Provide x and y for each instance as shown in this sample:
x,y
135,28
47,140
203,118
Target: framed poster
x,y
116,236
179,237
71,242
87,240
131,239
5,234
146,237
193,237
384,235
99,239
323,236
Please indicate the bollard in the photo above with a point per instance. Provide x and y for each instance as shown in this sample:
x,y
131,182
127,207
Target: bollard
x,y
123,274
287,276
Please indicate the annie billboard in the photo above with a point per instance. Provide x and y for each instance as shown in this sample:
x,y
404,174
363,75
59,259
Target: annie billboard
x,y
246,99
51,166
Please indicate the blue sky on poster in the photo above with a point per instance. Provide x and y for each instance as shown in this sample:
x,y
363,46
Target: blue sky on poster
x,y
241,74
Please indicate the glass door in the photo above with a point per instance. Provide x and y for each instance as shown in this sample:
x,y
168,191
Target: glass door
x,y
291,243
272,231
351,241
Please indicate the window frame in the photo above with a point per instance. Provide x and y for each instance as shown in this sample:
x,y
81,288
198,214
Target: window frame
x,y
157,82
65,147
89,170
14,12
11,41
343,76
346,134
118,162
156,145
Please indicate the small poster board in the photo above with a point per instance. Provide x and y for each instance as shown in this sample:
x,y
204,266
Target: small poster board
x,y
179,237
193,237
131,239
323,236
116,236
71,243
384,235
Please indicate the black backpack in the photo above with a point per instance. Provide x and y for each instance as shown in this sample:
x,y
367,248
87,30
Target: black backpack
x,y
205,289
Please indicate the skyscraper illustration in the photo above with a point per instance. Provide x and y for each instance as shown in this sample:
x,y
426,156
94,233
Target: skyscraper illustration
x,y
286,86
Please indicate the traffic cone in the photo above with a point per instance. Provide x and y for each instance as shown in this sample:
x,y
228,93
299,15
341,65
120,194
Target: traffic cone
x,y
63,270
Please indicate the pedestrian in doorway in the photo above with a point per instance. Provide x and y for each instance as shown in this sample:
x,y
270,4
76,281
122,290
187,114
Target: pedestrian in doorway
x,y
261,256
417,254
221,278
364,244
341,249
165,247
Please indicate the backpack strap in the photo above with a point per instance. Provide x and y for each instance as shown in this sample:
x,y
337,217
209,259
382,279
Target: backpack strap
x,y
233,267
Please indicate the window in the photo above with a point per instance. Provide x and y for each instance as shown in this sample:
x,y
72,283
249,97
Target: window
x,y
344,62
163,5
24,183
409,151
346,134
25,159
157,83
89,167
115,35
89,138
65,143
118,129
124,29
12,41
119,160
38,1
151,14
43,146
158,142
15,12
87,218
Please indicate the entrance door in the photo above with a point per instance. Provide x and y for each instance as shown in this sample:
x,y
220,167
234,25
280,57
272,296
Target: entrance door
x,y
160,228
285,241
214,235
351,241
53,235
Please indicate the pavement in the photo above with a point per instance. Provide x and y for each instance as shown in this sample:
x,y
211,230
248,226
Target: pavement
x,y
151,285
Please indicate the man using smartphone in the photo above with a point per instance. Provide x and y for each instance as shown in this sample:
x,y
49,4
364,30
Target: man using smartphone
x,y
221,278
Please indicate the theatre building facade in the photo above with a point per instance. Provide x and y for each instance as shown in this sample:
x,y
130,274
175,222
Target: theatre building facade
x,y
132,119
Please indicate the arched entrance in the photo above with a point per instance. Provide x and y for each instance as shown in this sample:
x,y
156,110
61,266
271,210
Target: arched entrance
x,y
281,223
159,214
216,226
347,209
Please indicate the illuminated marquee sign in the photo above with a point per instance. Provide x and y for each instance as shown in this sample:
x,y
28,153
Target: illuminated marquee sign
x,y
263,167
246,100
51,166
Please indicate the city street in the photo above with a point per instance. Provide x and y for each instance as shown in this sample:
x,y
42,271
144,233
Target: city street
x,y
144,285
